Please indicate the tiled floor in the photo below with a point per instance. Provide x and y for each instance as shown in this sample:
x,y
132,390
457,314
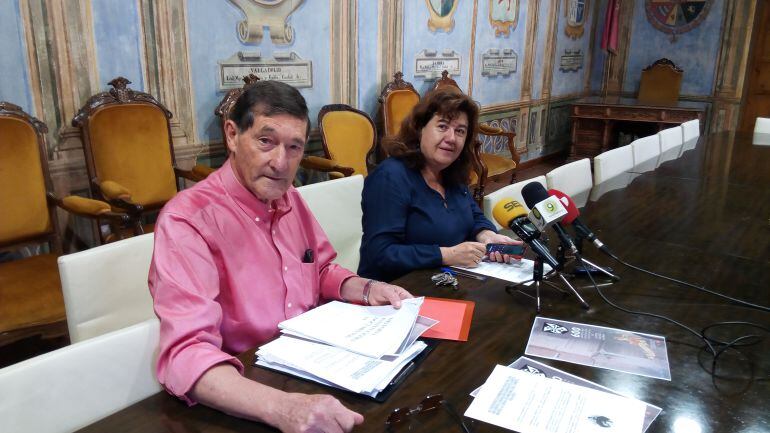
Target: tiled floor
x,y
31,347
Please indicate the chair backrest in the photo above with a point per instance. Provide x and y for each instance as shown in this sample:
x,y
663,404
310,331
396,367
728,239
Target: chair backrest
x,y
660,83
127,139
509,191
348,136
398,97
690,130
105,288
227,103
646,151
762,125
25,212
612,163
336,204
573,179
670,138
77,385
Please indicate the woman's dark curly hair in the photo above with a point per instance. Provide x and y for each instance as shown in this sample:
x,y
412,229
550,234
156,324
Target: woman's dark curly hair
x,y
445,102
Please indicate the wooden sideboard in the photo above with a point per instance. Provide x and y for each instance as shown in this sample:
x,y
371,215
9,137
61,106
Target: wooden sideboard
x,y
594,119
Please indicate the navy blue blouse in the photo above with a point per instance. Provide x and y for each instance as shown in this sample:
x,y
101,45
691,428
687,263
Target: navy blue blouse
x,y
406,221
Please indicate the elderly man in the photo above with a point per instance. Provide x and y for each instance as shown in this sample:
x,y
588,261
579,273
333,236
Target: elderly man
x,y
240,252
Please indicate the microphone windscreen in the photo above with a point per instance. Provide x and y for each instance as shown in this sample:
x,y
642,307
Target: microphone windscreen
x,y
506,210
572,210
533,193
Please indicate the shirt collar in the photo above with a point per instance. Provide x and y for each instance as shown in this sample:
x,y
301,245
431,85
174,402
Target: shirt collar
x,y
247,201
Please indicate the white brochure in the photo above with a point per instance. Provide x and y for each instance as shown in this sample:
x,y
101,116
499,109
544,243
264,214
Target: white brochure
x,y
529,403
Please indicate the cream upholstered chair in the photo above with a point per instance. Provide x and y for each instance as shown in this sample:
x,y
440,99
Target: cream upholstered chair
x,y
77,385
573,179
105,288
690,134
670,144
509,191
646,152
613,163
762,126
336,204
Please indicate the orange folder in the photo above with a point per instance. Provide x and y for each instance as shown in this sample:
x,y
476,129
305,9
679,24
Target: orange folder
x,y
454,318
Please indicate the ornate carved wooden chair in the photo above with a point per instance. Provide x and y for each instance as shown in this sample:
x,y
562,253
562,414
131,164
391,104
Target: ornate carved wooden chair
x,y
129,154
397,99
309,162
349,136
30,292
496,165
660,83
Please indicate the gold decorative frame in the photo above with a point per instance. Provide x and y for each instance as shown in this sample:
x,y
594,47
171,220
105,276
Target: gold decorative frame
x,y
504,27
437,22
575,30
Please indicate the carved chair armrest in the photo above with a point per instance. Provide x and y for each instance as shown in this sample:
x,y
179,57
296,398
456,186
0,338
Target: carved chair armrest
x,y
196,174
88,208
119,196
499,132
326,165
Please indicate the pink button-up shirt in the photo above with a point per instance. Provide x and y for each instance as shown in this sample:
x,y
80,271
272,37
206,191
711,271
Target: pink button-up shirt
x,y
226,269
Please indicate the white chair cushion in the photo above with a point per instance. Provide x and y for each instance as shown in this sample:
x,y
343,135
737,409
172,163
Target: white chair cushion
x,y
77,385
646,151
336,204
573,179
105,288
511,191
612,163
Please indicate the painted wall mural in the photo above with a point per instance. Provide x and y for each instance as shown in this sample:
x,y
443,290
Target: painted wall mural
x,y
441,14
575,11
272,14
676,17
503,16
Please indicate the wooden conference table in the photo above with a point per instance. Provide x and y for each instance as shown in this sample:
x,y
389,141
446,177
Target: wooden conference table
x,y
702,217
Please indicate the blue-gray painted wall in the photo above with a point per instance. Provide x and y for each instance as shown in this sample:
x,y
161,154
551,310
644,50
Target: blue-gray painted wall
x,y
368,78
14,76
117,36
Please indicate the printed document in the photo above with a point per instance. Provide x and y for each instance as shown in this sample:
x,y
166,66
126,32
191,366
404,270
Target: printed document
x,y
370,331
517,271
529,403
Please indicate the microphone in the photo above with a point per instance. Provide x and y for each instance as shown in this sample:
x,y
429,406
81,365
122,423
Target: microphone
x,y
572,218
547,211
510,213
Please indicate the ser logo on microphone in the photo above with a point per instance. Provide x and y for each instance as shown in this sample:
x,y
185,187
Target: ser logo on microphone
x,y
511,205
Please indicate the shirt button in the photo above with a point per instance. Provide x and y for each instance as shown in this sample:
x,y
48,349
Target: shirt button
x,y
289,305
286,268
274,232
256,219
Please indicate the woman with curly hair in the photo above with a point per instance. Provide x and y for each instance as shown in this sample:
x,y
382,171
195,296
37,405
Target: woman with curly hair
x,y
417,210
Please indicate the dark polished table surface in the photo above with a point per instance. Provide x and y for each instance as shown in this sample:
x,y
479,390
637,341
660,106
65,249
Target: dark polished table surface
x,y
703,217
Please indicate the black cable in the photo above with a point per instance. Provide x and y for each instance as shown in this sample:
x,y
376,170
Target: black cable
x,y
685,283
709,342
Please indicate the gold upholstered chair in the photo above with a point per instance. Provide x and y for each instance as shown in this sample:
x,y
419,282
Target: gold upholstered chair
x,y
660,83
348,137
30,290
495,165
397,99
309,162
129,153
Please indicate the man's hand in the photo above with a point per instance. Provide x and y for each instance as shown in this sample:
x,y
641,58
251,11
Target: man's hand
x,y
387,294
304,413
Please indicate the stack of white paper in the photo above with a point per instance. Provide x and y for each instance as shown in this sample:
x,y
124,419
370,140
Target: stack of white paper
x,y
517,271
357,348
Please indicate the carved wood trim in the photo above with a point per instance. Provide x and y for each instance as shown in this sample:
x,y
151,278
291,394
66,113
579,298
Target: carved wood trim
x,y
119,94
398,83
663,63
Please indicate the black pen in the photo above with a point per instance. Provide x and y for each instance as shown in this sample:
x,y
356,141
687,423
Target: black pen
x,y
401,376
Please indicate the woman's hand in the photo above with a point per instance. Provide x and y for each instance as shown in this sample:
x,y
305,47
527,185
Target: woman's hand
x,y
467,254
490,237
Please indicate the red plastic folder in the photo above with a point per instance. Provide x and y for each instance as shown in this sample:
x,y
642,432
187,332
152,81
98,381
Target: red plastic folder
x,y
454,318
